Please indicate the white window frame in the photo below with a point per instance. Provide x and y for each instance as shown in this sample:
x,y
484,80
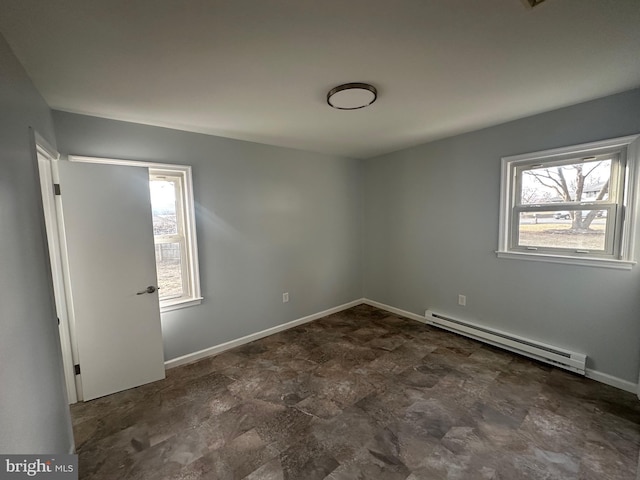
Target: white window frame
x,y
183,236
622,206
187,211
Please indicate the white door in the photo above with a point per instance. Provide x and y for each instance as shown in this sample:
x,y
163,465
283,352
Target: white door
x,y
109,234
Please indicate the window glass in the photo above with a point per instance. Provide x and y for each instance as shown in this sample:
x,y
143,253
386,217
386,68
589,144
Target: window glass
x,y
169,266
574,182
556,229
175,243
571,204
163,202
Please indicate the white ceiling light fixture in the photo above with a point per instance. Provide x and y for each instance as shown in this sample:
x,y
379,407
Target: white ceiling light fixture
x,y
352,96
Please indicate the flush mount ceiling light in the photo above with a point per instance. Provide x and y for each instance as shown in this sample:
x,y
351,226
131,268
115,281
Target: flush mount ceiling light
x,y
352,96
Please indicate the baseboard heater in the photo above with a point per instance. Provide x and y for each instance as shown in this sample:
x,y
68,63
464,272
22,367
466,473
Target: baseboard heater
x,y
575,362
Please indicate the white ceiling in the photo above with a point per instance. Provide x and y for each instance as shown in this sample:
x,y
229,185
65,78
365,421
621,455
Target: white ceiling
x,y
260,70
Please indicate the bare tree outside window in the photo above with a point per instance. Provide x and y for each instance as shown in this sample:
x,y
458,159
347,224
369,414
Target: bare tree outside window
x,y
563,204
576,182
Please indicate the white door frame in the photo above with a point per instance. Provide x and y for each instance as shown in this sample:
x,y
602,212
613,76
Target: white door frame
x,y
47,158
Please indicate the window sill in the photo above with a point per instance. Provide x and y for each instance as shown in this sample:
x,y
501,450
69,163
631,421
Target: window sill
x,y
582,261
177,305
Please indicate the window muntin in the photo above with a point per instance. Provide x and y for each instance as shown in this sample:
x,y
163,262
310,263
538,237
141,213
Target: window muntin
x,y
570,203
173,238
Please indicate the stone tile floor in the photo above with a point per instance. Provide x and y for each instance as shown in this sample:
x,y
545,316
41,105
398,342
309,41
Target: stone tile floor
x,y
362,394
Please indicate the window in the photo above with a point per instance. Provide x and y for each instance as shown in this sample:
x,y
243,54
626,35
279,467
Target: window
x,y
174,237
571,205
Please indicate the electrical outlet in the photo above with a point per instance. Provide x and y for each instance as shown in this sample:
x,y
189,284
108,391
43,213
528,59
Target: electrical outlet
x,y
285,297
462,300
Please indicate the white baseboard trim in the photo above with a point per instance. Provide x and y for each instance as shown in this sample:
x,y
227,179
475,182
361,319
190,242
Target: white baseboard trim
x,y
397,311
216,349
611,380
589,373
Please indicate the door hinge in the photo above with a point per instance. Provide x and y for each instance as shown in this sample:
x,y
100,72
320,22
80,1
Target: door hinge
x,y
77,369
56,189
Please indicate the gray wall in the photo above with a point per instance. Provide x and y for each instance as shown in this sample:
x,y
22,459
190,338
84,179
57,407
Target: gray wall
x,y
431,229
269,220
34,416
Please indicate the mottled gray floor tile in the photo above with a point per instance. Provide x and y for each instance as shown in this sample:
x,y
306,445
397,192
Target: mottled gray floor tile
x,y
459,388
287,427
341,386
362,394
319,407
343,435
441,463
555,432
366,334
366,465
269,471
307,459
387,341
464,440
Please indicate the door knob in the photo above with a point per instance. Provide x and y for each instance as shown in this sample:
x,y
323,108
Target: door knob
x,y
149,289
